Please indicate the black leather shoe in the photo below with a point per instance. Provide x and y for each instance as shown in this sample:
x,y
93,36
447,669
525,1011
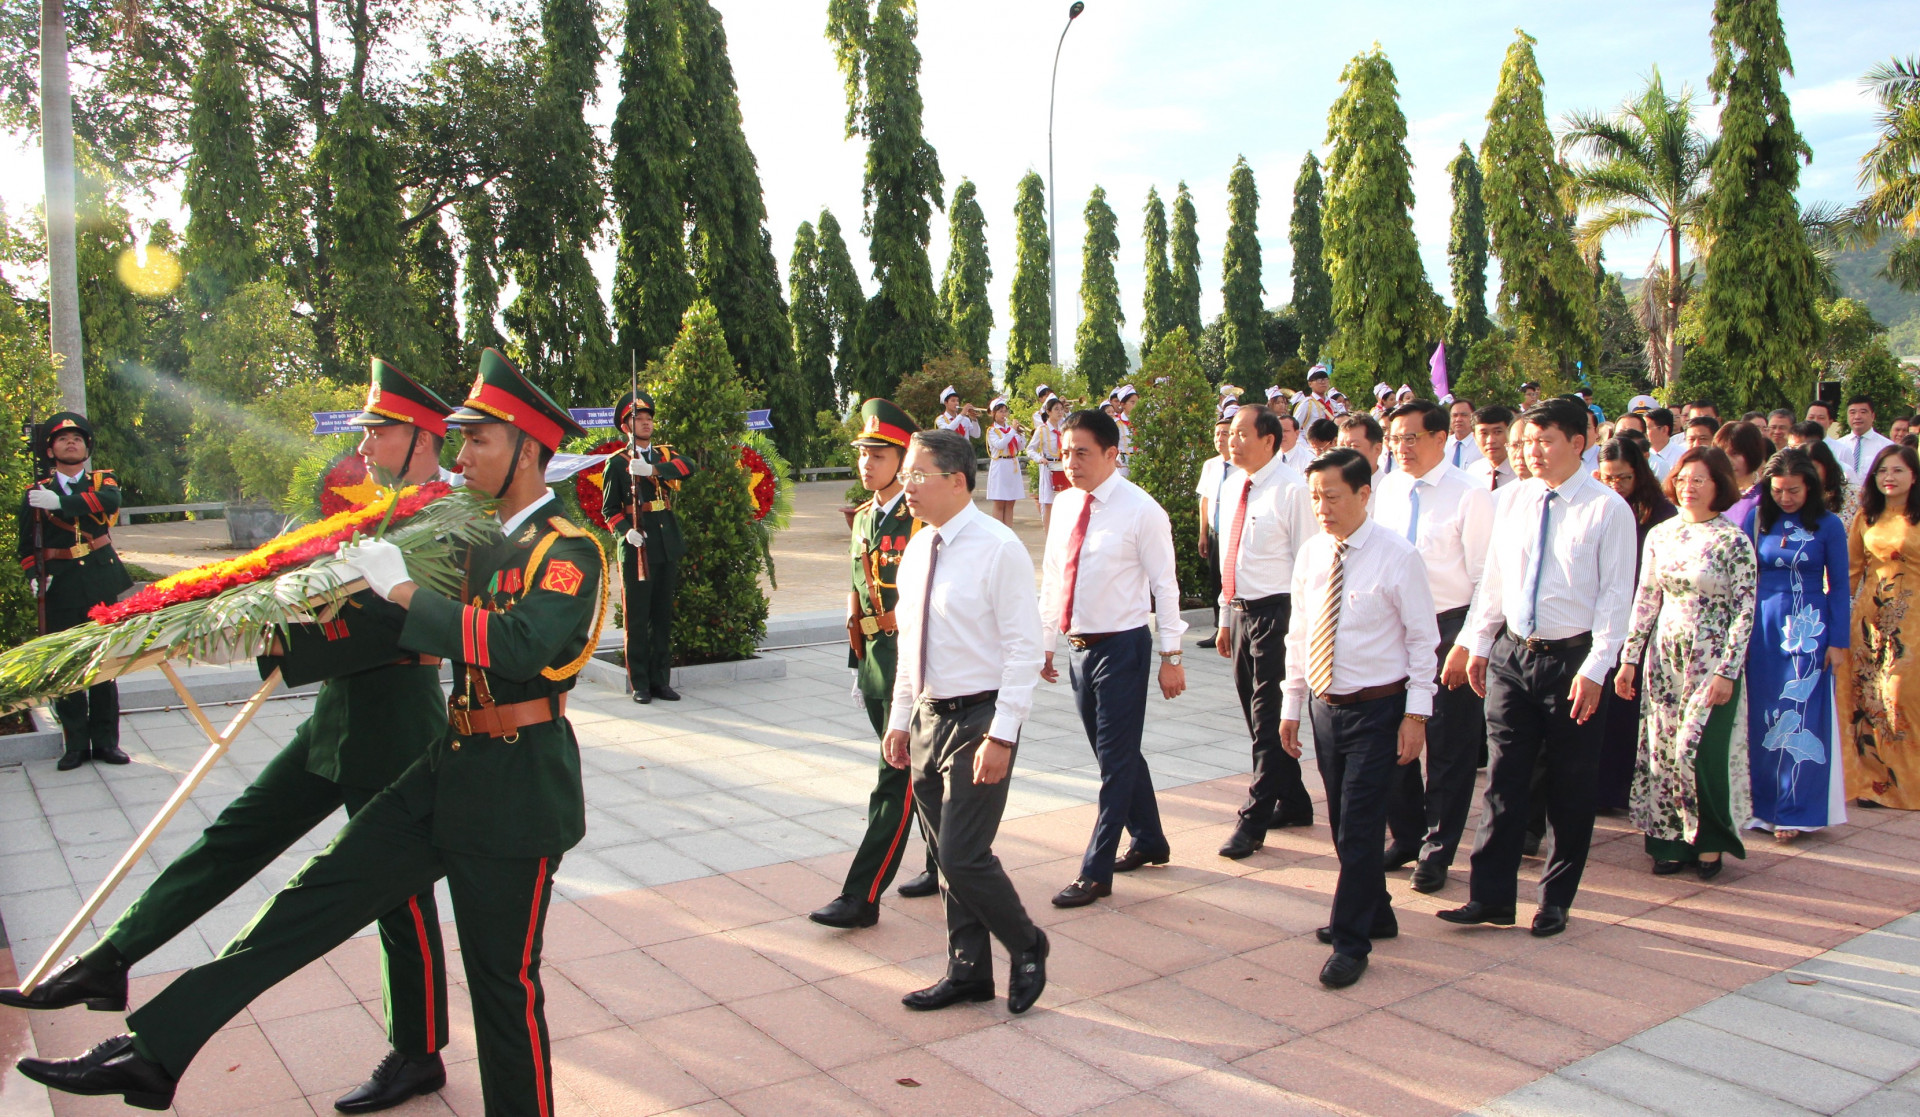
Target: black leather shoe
x,y
1380,931
71,760
1342,970
846,911
398,1078
1531,846
666,693
1080,893
1283,817
1029,976
1429,877
1549,921
1134,859
1667,868
1243,844
113,1067
644,697
926,884
112,754
1399,858
947,992
1473,911
1707,870
73,982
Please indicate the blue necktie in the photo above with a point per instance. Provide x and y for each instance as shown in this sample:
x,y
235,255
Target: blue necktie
x,y
1456,453
1536,566
1413,520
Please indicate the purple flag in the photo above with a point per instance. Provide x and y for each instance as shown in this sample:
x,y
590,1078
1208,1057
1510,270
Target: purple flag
x,y
1438,368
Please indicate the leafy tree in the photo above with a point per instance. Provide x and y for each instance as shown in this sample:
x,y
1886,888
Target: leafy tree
x,y
480,295
1890,170
1467,260
432,278
1312,288
812,321
1100,353
1186,264
224,191
27,388
652,142
919,391
845,299
1383,307
1758,305
722,611
373,311
963,290
1623,341
901,326
251,350
1030,338
1240,288
1173,435
1877,374
1542,275
1157,307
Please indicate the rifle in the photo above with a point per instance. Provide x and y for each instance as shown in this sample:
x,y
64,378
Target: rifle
x,y
34,449
633,484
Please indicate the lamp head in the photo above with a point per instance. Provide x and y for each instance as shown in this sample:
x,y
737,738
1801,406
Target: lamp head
x,y
1074,11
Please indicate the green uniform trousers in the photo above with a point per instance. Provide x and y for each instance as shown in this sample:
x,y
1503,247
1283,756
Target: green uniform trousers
x,y
889,809
381,857
649,618
283,803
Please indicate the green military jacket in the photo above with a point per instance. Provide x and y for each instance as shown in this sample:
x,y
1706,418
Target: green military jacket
x,y
661,527
527,620
369,723
86,513
879,539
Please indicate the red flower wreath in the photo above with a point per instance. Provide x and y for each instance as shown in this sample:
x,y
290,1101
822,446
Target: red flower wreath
x,y
589,485
760,481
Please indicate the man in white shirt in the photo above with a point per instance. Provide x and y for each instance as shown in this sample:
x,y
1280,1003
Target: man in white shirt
x,y
1361,664
957,416
1493,471
1820,411
1317,405
1293,449
1461,450
1666,448
1363,434
1546,626
1124,399
1856,449
1448,519
1211,489
1262,525
1108,563
969,658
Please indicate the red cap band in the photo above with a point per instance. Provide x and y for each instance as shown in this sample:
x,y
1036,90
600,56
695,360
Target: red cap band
x,y
403,410
509,408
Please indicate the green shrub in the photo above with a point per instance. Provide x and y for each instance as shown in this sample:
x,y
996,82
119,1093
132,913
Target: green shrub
x,y
1172,437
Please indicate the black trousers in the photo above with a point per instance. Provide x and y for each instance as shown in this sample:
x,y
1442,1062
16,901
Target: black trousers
x,y
1212,582
1110,682
89,719
1428,815
1259,667
649,619
1357,748
1529,728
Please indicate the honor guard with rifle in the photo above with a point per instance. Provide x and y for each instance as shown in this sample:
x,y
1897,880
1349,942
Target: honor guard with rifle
x,y
881,528
67,553
367,727
640,484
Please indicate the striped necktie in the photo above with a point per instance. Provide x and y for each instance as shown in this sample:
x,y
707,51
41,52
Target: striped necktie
x,y
1320,649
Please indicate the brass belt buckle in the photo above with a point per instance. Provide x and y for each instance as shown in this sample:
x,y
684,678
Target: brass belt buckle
x,y
82,548
869,626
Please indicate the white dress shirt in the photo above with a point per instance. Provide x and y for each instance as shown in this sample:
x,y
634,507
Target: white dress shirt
x,y
1662,460
1279,520
1300,457
957,422
1213,486
1126,565
1586,580
1856,453
1451,531
983,625
1386,631
1462,452
1479,470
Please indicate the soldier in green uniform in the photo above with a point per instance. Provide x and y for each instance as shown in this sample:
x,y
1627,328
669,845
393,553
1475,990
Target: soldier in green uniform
x,y
638,508
367,727
881,528
492,806
76,507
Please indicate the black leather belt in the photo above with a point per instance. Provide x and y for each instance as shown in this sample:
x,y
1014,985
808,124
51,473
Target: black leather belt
x,y
1085,640
955,705
1365,694
1244,605
1450,614
1534,644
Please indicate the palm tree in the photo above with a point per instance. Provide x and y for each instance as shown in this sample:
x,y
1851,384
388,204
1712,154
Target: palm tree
x,y
1646,162
1890,172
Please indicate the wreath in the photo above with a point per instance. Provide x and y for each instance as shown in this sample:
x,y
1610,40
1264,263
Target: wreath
x,y
590,486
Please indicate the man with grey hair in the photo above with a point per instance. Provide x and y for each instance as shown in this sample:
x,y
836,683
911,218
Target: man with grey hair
x,y
969,658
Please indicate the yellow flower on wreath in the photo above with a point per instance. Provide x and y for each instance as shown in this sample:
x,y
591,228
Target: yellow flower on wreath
x,y
257,559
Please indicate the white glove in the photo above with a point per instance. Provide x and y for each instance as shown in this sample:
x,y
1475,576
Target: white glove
x,y
381,563
640,467
44,499
634,538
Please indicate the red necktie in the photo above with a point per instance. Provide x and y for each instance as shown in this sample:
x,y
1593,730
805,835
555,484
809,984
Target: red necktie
x,y
1074,543
1233,541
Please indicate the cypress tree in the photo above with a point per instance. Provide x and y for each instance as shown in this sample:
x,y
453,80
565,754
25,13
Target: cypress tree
x,y
845,299
555,207
1382,302
1543,279
432,277
812,321
1098,350
1029,338
1759,308
963,289
373,311
225,195
1467,259
901,326
1240,289
1186,267
1157,307
480,274
652,141
1173,435
1312,289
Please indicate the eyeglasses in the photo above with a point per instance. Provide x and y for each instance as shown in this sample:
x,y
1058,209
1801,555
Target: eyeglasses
x,y
1409,439
919,477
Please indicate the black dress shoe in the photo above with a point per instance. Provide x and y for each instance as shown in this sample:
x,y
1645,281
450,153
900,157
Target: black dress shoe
x,y
946,992
398,1078
1244,843
1380,931
112,754
1473,911
846,911
1081,893
667,693
1549,921
1029,975
926,884
71,760
74,983
1707,870
1530,847
1134,859
113,1067
1429,877
1667,868
1284,817
1342,970
1398,857
644,697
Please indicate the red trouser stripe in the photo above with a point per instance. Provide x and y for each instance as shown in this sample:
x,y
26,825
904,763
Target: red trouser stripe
x,y
526,982
893,850
426,960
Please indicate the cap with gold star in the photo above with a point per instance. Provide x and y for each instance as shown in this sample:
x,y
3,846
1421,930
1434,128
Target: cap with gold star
x,y
629,403
63,422
394,397
502,394
884,424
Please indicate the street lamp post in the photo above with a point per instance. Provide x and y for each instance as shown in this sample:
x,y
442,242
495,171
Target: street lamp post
x,y
1053,224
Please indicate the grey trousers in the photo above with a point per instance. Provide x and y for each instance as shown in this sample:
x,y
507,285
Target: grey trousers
x,y
962,817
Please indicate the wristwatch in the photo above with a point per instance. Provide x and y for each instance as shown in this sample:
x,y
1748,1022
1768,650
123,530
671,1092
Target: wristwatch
x,y
1421,718
1172,658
